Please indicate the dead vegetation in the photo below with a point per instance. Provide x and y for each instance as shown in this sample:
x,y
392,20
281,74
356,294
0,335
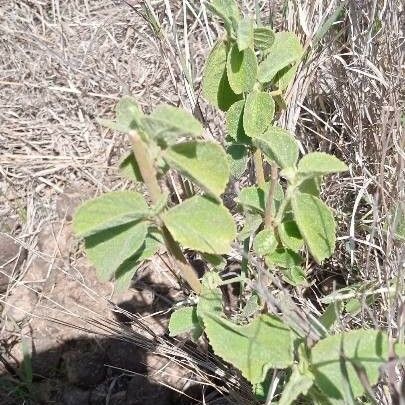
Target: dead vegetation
x,y
63,64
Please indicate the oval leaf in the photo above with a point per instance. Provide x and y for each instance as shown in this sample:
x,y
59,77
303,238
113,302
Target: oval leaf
x,y
109,249
238,159
265,242
201,224
334,360
290,235
279,146
241,69
234,123
169,123
185,320
109,210
316,225
263,38
283,258
258,113
254,348
253,198
244,35
215,85
203,162
319,163
124,274
285,50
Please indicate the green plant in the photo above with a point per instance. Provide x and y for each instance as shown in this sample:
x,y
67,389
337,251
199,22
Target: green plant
x,y
246,75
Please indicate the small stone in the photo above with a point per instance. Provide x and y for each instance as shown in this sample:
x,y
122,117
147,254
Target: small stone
x,y
75,396
143,391
85,369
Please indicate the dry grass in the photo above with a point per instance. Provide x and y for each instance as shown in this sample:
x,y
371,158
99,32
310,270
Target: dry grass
x,y
63,64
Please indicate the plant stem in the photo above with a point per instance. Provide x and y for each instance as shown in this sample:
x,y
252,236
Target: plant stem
x,y
258,162
149,176
268,216
146,167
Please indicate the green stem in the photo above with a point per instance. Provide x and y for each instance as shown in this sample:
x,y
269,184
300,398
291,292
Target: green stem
x,y
149,176
258,162
268,216
283,207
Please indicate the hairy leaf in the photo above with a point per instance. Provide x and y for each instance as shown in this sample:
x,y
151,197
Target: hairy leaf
x,y
109,210
201,224
215,85
244,34
253,198
311,186
283,258
168,123
284,77
185,320
263,38
238,159
203,162
109,249
228,11
279,146
320,163
285,50
316,225
127,270
130,169
234,123
290,235
258,113
298,383
294,275
253,348
335,359
265,242
241,69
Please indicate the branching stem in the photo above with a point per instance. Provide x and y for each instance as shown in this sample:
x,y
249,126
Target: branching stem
x,y
149,176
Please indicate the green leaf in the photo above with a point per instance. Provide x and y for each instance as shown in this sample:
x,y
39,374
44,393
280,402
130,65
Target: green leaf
x,y
215,85
201,224
290,235
285,50
283,258
263,38
284,77
279,146
129,168
238,159
234,123
244,34
253,348
109,249
294,275
251,225
320,163
265,242
334,358
168,123
258,113
241,69
127,270
185,320
311,186
253,198
203,162
109,210
298,384
228,11
128,114
331,314
316,225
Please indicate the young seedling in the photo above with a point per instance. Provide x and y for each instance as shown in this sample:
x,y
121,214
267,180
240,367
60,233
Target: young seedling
x,y
246,75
